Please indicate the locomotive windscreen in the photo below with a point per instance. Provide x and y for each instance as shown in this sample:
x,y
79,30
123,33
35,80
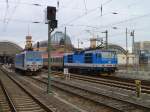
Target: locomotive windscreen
x,y
33,55
108,54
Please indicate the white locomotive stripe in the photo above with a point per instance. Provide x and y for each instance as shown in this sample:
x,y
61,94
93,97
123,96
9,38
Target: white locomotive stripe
x,y
89,65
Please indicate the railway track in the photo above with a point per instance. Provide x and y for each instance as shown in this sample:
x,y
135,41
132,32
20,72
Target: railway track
x,y
16,98
5,102
95,96
108,82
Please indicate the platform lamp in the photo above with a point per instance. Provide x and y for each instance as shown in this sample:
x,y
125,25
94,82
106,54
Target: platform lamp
x,y
52,24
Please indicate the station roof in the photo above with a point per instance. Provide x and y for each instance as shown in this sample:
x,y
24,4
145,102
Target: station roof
x,y
9,48
117,48
111,47
58,38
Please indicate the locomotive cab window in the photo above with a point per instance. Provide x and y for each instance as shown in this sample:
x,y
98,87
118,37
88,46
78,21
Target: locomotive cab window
x,y
108,55
88,58
70,58
52,59
98,55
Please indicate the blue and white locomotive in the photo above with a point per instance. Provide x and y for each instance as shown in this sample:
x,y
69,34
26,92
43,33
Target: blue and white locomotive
x,y
95,61
29,61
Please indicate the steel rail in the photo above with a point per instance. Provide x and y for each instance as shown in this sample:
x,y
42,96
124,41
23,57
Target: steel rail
x,y
10,101
46,108
108,82
76,87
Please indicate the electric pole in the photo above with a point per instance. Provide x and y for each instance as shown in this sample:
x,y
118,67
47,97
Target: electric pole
x,y
52,24
106,42
78,43
126,49
126,40
106,39
65,46
134,52
133,48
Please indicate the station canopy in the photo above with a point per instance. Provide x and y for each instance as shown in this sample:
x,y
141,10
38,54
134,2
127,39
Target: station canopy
x,y
117,48
9,48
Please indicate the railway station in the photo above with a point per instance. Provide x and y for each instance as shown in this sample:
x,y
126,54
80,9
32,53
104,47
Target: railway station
x,y
86,56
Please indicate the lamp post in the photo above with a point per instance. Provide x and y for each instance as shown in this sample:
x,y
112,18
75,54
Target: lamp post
x,y
126,42
134,52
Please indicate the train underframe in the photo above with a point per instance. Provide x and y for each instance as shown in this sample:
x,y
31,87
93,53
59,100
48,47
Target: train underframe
x,y
91,70
27,72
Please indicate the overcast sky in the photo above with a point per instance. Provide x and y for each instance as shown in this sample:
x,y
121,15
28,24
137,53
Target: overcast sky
x,y
81,17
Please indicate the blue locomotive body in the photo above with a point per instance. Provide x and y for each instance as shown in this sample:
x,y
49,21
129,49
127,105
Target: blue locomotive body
x,y
93,60
29,61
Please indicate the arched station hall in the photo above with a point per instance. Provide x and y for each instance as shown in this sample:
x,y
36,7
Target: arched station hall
x,y
8,50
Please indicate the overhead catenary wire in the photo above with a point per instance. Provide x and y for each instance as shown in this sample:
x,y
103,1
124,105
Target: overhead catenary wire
x,y
91,26
86,13
8,17
13,11
5,15
107,2
85,6
134,4
23,3
7,7
111,24
11,15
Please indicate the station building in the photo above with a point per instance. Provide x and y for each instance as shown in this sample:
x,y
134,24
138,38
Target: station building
x,y
58,43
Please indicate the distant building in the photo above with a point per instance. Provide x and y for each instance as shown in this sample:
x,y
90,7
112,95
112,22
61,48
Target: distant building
x,y
143,51
129,59
142,46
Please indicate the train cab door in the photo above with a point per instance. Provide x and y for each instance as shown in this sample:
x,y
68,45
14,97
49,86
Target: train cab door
x,y
98,58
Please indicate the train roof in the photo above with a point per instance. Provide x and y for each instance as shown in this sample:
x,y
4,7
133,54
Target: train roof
x,y
89,51
24,52
96,50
